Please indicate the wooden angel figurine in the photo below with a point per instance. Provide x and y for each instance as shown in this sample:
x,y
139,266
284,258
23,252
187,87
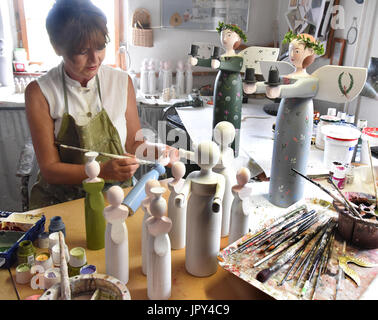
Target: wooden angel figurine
x,y
294,124
240,209
153,183
116,235
94,204
177,215
159,265
228,90
224,135
205,190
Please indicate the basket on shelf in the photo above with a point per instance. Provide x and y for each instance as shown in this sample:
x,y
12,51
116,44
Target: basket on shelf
x,y
141,26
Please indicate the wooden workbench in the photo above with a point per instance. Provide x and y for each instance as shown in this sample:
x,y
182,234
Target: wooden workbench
x,y
220,286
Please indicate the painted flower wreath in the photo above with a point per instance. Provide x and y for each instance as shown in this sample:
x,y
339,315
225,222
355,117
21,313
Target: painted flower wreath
x,y
233,27
316,46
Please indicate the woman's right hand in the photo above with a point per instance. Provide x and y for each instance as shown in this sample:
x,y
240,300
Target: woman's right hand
x,y
119,169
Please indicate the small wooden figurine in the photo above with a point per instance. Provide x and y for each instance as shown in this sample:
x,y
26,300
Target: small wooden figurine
x,y
146,209
159,265
116,236
224,134
205,190
240,210
94,204
294,125
176,214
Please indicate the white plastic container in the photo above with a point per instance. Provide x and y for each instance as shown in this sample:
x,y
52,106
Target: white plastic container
x,y
371,135
340,141
324,120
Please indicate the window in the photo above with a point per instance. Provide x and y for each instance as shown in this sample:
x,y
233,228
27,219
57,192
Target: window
x,y
31,17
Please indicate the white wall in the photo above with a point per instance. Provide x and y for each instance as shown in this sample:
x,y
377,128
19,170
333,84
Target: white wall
x,y
174,45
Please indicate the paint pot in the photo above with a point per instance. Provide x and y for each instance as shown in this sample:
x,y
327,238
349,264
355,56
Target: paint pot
x,y
349,174
56,225
56,254
53,240
339,177
44,259
371,135
340,142
332,112
324,120
88,269
26,252
51,277
23,274
43,240
77,261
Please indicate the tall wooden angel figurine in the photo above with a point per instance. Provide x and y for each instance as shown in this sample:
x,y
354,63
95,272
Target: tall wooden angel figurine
x,y
177,215
240,209
205,190
294,124
228,89
224,135
159,265
94,204
116,235
152,183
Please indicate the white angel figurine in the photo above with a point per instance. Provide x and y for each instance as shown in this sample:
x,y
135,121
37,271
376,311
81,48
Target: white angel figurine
x,y
294,124
240,209
205,190
116,235
176,214
146,209
224,135
159,264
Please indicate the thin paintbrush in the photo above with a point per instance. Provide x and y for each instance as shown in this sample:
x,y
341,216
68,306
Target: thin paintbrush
x,y
319,254
110,155
330,251
340,274
271,233
261,233
347,202
265,274
297,255
322,263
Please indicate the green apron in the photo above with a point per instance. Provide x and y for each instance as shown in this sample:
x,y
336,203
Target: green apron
x,y
98,134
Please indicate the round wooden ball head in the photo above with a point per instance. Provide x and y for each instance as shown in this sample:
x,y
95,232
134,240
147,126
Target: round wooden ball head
x,y
224,133
178,170
243,176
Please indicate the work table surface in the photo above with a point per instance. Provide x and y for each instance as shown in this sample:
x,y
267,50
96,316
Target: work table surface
x,y
220,286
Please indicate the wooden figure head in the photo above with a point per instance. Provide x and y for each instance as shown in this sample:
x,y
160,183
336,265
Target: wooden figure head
x,y
301,56
152,183
224,133
243,176
207,154
158,206
115,195
178,170
92,169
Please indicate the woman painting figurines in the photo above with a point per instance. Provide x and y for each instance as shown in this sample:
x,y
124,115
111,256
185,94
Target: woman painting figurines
x,y
228,91
80,103
294,125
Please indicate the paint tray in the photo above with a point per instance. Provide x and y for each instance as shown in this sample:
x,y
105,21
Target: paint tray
x,y
9,254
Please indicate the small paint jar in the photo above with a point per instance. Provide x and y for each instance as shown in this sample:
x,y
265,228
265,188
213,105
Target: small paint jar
x,y
43,240
51,277
349,174
339,177
53,240
56,225
26,252
23,274
56,254
44,259
88,269
77,261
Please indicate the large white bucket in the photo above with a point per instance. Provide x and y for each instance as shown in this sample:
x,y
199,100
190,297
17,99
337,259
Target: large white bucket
x,y
340,141
371,135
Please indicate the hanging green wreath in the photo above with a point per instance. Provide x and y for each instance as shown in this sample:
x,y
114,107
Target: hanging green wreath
x,y
233,27
316,46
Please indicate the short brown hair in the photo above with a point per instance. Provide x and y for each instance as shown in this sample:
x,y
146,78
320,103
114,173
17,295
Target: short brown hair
x,y
73,25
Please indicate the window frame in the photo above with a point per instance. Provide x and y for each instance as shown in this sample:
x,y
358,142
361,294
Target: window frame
x,y
22,36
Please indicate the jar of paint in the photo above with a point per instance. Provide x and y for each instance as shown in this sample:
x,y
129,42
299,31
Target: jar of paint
x,y
43,240
26,252
56,225
23,274
77,261
88,269
339,177
44,259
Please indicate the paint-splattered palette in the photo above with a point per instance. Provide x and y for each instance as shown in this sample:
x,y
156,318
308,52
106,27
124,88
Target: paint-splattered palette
x,y
240,264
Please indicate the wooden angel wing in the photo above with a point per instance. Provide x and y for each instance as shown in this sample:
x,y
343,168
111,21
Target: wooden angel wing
x,y
253,55
284,68
340,84
162,245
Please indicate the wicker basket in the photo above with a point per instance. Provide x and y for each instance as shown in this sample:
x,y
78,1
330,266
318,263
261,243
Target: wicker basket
x,y
142,36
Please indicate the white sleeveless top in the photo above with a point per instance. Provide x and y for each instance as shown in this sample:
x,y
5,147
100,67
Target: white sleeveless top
x,y
84,102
